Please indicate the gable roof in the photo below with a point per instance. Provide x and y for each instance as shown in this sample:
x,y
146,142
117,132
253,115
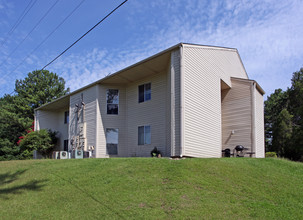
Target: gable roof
x,y
134,72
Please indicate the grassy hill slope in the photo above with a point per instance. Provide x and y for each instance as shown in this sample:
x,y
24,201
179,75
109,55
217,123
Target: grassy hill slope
x,y
140,188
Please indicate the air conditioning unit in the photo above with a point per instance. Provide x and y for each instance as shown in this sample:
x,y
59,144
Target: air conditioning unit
x,y
56,155
86,154
78,154
63,155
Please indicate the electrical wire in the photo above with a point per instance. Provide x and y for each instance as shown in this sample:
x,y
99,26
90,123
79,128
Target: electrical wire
x,y
84,34
36,48
19,20
41,19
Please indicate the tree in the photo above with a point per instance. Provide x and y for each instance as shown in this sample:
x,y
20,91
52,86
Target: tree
x,y
12,126
38,88
17,111
42,141
296,108
282,133
274,104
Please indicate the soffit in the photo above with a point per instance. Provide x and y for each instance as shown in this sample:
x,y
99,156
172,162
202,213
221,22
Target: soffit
x,y
146,69
59,104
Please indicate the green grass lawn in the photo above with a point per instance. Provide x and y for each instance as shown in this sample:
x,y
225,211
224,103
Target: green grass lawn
x,y
151,188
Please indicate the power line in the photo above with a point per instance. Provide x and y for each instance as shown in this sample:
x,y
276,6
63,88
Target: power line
x,y
41,19
36,48
85,34
19,20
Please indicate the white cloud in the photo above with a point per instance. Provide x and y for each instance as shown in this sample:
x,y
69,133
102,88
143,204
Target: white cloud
x,y
82,69
266,33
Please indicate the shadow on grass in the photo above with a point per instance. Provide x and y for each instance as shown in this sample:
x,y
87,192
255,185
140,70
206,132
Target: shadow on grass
x,y
8,178
102,203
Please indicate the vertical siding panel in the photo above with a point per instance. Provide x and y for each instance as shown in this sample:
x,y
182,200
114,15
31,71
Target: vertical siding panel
x,y
152,112
54,121
236,115
204,67
260,152
89,98
177,128
111,121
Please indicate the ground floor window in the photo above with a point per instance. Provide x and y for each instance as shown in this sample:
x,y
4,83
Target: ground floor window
x,y
144,135
65,145
112,141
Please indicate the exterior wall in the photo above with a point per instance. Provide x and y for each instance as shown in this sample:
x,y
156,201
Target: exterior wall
x,y
174,106
89,98
259,125
237,115
203,70
54,121
62,128
152,112
189,113
111,121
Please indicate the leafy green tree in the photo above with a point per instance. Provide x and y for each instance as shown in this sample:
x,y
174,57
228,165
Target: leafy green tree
x,y
274,104
38,88
12,126
17,111
43,141
296,96
296,109
282,133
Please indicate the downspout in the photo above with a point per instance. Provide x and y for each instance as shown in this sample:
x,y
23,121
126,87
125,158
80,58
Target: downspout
x,y
253,119
35,120
181,100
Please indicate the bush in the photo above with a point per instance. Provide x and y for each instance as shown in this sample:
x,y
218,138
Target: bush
x,y
271,154
43,141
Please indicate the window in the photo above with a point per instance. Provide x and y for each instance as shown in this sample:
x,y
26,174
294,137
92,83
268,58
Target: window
x,y
112,141
65,145
112,101
144,136
144,92
66,117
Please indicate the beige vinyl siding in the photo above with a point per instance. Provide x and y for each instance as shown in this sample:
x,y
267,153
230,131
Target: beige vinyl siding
x,y
55,122
169,93
89,98
62,128
151,112
176,126
259,126
111,121
237,115
203,69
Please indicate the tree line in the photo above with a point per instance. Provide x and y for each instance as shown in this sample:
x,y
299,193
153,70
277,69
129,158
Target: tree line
x,y
283,117
284,120
17,139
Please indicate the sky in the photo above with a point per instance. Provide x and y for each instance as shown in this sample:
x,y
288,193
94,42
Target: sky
x,y
267,33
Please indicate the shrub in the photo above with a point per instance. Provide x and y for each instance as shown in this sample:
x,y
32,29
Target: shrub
x,y
43,141
271,154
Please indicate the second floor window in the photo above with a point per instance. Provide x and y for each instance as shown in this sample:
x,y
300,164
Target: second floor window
x,y
112,99
66,117
144,92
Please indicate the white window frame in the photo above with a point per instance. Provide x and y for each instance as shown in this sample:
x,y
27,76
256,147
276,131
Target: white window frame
x,y
144,135
66,117
112,103
144,92
112,143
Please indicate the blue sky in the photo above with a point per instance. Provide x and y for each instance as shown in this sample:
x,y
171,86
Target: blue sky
x,y
268,35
